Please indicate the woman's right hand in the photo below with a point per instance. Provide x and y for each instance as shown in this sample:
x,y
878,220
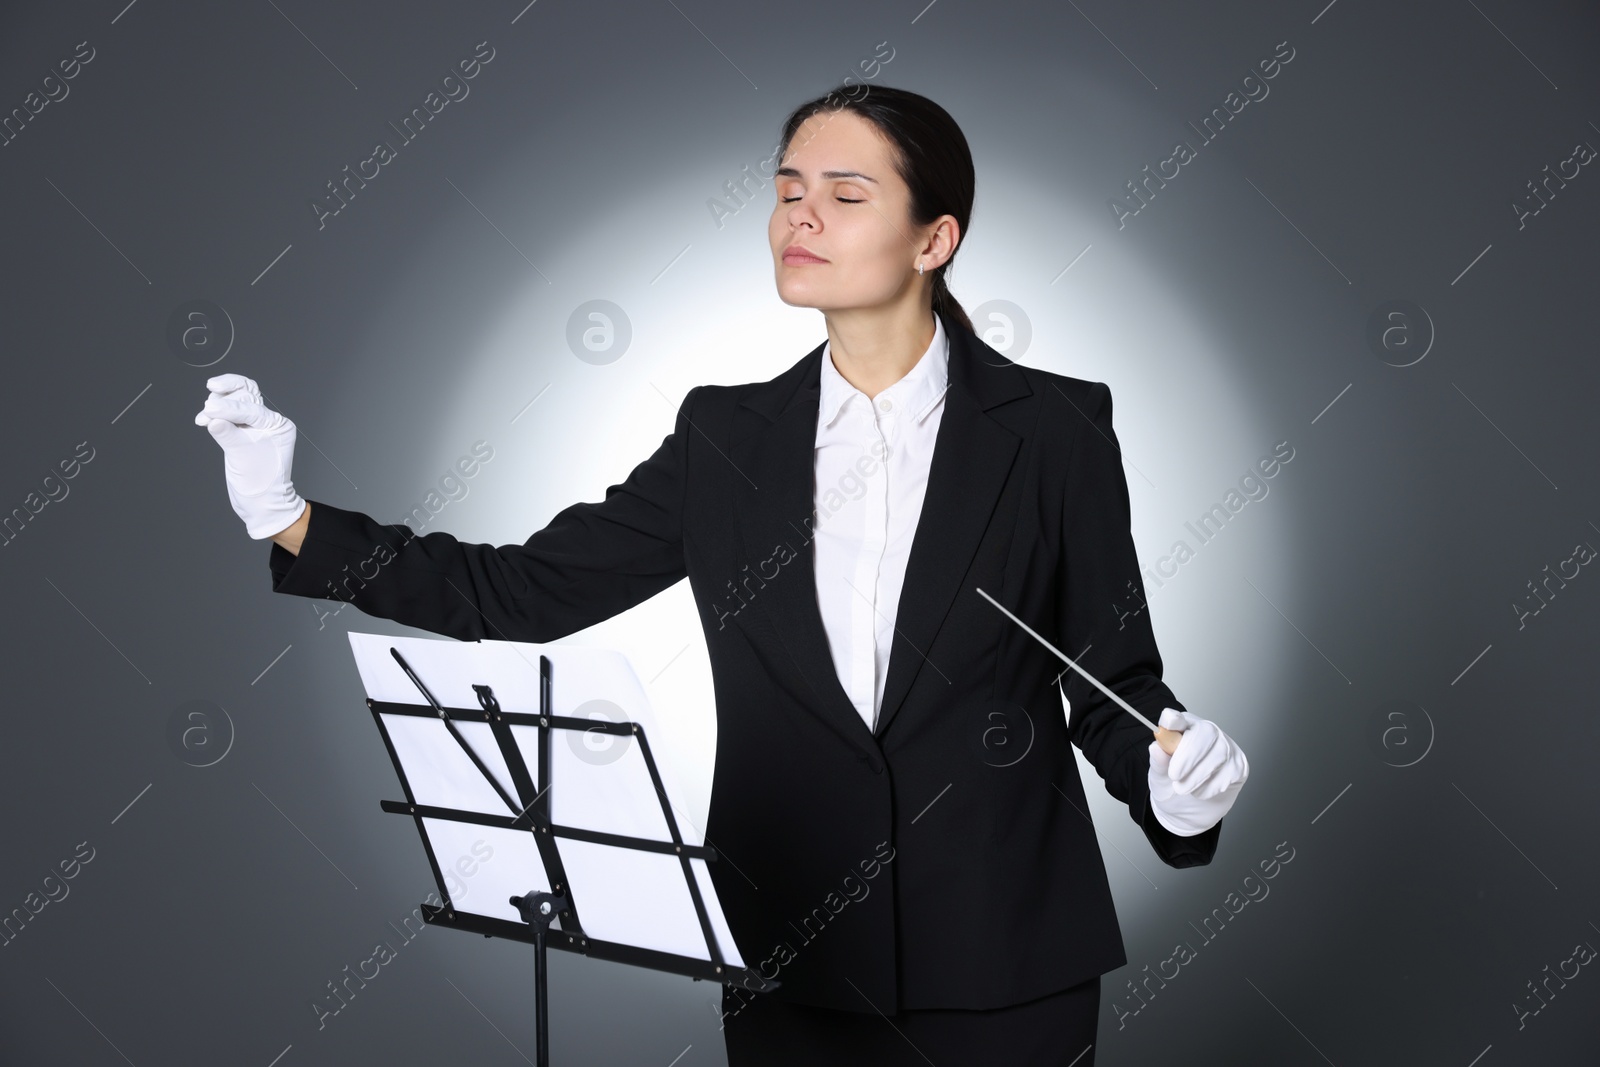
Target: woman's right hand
x,y
258,450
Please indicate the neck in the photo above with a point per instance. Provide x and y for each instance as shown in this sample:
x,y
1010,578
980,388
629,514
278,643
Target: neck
x,y
872,348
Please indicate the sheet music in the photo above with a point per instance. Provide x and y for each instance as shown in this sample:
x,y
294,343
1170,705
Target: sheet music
x,y
601,782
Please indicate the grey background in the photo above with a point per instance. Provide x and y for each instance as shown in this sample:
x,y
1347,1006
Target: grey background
x,y
1427,758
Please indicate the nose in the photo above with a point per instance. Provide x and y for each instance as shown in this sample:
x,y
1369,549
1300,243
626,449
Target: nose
x,y
802,213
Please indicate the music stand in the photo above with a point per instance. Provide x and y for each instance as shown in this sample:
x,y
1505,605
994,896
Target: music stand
x,y
570,828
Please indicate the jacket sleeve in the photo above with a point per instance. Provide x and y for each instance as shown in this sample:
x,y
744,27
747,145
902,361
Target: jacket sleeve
x,y
593,561
1101,611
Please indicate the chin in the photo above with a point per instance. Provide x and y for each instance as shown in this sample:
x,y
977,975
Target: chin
x,y
797,303
799,297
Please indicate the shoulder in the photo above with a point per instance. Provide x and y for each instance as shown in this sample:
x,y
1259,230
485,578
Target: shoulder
x,y
1068,406
766,399
709,403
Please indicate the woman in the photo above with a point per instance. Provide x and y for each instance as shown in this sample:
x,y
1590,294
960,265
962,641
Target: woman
x,y
910,854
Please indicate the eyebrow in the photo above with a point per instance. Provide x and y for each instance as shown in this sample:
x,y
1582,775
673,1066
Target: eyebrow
x,y
790,172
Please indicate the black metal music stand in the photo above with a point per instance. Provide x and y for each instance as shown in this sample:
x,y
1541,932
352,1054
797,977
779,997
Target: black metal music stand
x,y
528,804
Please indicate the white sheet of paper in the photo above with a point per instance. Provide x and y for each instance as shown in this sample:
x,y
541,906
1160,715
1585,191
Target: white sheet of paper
x,y
640,898
485,866
439,772
601,782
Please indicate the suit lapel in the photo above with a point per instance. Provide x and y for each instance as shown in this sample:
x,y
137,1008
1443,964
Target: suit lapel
x,y
972,455
775,505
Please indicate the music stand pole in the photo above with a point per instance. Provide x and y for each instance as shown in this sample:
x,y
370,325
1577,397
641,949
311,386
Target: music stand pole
x,y
538,911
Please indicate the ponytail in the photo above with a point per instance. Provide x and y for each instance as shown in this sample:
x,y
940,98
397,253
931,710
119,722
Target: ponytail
x,y
944,301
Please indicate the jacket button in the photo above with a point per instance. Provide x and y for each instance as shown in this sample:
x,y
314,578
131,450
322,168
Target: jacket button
x,y
877,767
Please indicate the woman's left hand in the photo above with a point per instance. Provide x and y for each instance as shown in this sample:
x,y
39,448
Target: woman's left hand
x,y
1195,784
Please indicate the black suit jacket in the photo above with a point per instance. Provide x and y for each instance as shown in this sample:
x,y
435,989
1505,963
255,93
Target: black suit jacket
x,y
946,859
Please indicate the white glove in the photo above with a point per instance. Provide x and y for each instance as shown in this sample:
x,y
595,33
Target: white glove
x,y
258,450
1193,788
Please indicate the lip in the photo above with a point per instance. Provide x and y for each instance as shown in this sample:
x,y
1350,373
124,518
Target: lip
x,y
801,254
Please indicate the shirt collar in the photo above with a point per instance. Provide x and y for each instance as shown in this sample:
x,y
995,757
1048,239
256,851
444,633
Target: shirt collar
x,y
922,385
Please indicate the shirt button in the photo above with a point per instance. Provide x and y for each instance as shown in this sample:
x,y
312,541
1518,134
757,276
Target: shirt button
x,y
885,404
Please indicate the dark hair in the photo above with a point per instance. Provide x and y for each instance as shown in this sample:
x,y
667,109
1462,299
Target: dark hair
x,y
930,154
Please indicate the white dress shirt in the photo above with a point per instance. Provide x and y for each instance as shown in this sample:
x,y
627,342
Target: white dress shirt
x,y
872,460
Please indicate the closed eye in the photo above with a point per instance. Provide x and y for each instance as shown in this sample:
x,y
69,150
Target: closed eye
x,y
842,200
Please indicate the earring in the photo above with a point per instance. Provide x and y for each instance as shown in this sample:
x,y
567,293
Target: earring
x,y
919,268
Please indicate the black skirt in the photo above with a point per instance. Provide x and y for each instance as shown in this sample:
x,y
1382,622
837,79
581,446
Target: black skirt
x,y
1054,1031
